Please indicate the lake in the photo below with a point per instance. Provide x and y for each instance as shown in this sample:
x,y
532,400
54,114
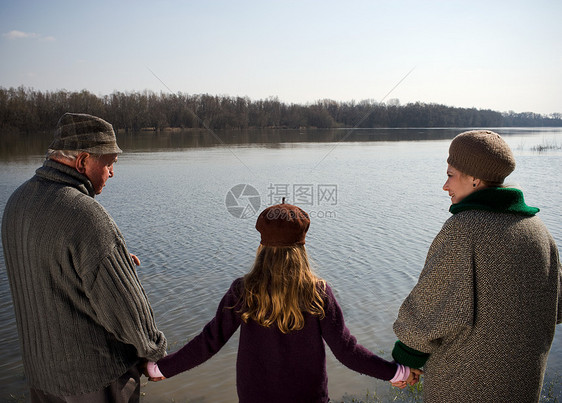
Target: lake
x,y
186,203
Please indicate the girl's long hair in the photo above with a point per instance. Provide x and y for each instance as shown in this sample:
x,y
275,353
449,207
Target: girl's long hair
x,y
280,287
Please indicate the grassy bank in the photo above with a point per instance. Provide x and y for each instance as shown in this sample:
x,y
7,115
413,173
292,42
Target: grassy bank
x,y
551,393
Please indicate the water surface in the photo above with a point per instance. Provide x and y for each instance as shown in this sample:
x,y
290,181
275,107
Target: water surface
x,y
375,200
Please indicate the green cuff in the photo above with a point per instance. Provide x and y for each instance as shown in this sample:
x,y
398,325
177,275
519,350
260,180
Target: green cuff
x,y
405,355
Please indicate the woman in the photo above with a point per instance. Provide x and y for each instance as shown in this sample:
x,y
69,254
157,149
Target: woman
x,y
481,318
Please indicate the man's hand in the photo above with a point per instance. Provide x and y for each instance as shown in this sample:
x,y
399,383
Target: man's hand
x,y
136,260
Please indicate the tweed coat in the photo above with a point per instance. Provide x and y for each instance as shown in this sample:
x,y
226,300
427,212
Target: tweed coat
x,y
485,308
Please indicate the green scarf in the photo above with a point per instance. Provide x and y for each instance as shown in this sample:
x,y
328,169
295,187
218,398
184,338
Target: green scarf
x,y
499,200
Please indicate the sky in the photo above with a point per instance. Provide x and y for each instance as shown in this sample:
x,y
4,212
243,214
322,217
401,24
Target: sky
x,y
492,54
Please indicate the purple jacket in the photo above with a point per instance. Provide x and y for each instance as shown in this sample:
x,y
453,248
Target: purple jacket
x,y
276,367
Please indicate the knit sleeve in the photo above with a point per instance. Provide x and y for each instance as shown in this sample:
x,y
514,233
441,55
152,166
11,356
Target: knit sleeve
x,y
345,347
441,304
212,338
122,306
559,315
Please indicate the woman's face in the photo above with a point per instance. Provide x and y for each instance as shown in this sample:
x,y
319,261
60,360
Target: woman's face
x,y
458,184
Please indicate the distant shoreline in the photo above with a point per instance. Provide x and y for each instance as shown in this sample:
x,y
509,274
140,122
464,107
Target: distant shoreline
x,y
24,110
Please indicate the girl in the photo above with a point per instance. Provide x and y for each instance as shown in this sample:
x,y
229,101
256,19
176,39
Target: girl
x,y
285,313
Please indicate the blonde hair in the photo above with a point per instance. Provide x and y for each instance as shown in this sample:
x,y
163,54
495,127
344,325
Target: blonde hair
x,y
280,287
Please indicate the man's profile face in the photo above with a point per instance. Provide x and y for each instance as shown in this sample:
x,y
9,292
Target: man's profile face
x,y
99,169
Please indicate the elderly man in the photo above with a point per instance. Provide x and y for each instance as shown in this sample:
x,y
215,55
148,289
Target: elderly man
x,y
84,321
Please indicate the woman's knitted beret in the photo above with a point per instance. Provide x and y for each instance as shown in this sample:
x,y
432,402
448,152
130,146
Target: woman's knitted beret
x,y
482,154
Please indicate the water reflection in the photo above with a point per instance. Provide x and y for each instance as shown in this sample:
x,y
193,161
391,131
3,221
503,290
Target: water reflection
x,y
16,146
272,138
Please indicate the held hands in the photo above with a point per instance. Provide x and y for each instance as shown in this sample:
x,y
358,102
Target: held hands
x,y
151,371
413,378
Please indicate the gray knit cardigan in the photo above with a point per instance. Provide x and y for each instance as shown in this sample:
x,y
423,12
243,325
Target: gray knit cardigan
x,y
82,315
485,308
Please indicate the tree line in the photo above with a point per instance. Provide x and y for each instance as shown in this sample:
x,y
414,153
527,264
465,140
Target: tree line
x,y
26,110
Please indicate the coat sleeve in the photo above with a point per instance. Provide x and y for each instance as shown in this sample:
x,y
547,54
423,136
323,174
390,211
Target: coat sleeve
x,y
212,338
555,258
122,307
345,347
441,304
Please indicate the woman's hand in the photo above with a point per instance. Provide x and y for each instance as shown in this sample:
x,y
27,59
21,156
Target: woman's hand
x,y
413,378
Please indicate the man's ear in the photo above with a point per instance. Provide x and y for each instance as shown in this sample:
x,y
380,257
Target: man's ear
x,y
80,162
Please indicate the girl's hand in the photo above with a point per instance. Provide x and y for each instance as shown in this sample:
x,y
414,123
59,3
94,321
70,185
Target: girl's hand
x,y
152,372
399,384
